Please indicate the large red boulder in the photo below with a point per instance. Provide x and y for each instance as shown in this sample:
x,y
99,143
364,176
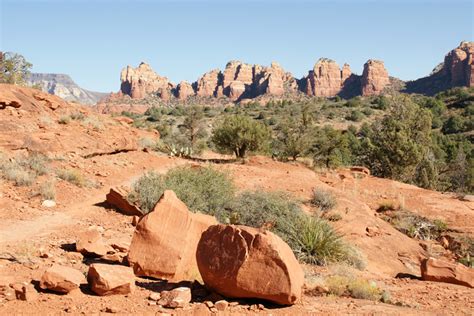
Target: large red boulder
x,y
165,240
244,262
442,271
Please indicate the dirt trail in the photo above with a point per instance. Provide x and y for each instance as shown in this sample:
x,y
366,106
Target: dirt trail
x,y
68,215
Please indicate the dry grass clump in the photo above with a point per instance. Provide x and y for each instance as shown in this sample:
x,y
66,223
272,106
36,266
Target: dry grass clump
x,y
47,190
323,199
359,288
23,171
72,176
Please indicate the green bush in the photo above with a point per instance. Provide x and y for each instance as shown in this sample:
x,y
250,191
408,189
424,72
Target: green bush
x,y
323,199
355,116
271,209
204,190
312,239
239,134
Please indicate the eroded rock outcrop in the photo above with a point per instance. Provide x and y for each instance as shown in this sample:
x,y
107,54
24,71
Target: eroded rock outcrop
x,y
457,70
442,271
165,240
325,80
184,90
374,78
207,85
141,81
244,262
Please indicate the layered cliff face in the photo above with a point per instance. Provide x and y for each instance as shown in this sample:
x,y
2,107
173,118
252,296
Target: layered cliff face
x,y
457,70
64,87
240,81
142,81
374,78
325,80
237,81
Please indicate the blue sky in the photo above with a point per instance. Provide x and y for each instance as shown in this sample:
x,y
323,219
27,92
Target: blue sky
x,y
93,40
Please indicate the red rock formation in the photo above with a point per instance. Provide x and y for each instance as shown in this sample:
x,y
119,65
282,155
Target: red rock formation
x,y
208,83
326,79
374,78
184,90
459,65
165,240
345,73
244,262
272,80
141,81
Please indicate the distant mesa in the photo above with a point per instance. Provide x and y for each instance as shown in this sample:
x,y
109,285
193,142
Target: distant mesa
x,y
240,81
63,86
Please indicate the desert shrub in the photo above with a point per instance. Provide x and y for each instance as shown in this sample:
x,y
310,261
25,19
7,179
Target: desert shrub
x,y
77,116
147,142
271,209
93,122
314,241
203,190
415,226
65,119
240,134
340,285
386,206
323,199
36,162
18,175
47,190
355,116
72,176
15,69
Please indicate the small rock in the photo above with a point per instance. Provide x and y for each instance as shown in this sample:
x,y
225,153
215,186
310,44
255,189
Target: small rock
x,y
154,296
48,203
25,291
112,310
179,297
120,245
106,279
221,305
209,304
114,257
90,243
61,279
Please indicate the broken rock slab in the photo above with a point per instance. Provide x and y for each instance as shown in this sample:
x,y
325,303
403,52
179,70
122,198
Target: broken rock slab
x,y
61,279
117,197
442,271
106,279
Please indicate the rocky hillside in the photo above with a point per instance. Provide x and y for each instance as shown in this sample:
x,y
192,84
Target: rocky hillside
x,y
239,81
64,87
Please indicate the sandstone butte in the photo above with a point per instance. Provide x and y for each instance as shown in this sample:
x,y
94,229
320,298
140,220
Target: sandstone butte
x,y
239,81
165,240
